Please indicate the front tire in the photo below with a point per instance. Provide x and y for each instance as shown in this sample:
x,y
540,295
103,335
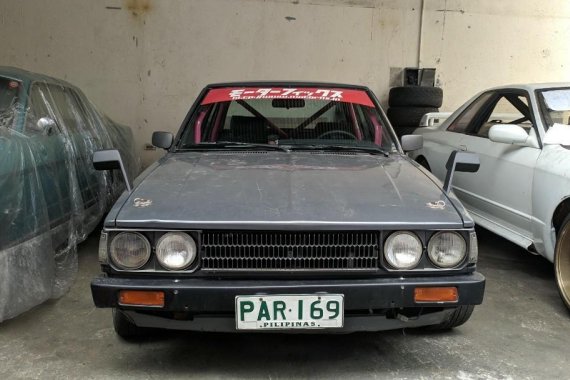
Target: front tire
x,y
562,261
459,316
124,327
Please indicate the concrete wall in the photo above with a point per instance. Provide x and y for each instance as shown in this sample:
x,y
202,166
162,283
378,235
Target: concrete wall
x,y
144,61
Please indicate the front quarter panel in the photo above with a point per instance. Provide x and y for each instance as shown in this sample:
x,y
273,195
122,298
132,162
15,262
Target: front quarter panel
x,y
551,186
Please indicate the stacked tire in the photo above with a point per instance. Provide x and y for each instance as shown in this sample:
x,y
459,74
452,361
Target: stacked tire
x,y
408,104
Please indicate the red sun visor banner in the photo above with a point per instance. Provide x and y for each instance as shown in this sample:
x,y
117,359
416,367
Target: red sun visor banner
x,y
226,94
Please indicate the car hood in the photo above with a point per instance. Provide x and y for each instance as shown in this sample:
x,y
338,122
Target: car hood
x,y
258,189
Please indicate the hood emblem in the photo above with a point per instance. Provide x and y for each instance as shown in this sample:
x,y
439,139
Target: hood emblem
x,y
141,202
438,205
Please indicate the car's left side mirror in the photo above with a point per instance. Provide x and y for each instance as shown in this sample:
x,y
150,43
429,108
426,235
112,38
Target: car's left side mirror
x,y
461,162
162,139
412,142
110,159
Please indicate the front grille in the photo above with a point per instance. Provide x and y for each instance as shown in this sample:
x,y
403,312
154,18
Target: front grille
x,y
290,251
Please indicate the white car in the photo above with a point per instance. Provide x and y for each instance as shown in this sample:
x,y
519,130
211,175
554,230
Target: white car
x,y
522,189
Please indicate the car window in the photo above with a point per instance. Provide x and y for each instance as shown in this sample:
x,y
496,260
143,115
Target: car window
x,y
508,109
461,124
295,117
39,107
8,101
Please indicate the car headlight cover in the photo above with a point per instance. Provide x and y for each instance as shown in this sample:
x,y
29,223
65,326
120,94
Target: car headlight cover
x,y
175,250
129,250
403,250
447,249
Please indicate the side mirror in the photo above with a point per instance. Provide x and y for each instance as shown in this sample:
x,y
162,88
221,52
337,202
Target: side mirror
x,y
110,159
508,134
162,139
461,162
46,125
412,142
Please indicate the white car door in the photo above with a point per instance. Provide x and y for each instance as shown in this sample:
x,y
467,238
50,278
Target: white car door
x,y
500,195
439,143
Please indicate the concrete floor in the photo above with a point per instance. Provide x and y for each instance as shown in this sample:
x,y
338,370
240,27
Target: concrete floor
x,y
521,331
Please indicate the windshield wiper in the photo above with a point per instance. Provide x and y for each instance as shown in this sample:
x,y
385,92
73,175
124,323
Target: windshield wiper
x,y
340,148
233,144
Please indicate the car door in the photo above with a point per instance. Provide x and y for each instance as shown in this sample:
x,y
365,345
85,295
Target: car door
x,y
51,162
501,192
442,142
73,124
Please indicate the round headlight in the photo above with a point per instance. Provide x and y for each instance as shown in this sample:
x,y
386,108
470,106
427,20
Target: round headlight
x,y
175,250
447,249
403,250
129,250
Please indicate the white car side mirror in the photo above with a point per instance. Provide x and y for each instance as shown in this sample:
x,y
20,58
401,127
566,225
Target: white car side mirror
x,y
508,134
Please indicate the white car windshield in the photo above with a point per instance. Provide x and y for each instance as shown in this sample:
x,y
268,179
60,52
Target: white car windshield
x,y
555,104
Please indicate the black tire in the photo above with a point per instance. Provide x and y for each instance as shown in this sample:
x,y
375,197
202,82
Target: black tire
x,y
408,116
415,96
562,261
459,316
125,328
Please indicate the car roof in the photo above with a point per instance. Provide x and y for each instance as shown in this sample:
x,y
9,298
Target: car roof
x,y
29,76
532,86
288,84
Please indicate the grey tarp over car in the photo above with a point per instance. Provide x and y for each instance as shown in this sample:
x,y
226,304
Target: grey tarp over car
x,y
51,198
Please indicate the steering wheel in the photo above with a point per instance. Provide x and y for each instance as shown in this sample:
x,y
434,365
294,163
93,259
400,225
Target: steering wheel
x,y
337,131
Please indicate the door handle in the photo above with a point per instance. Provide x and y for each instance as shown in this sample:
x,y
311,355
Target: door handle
x,y
463,147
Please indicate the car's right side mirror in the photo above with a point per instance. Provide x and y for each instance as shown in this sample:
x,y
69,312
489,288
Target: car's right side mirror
x,y
461,162
162,139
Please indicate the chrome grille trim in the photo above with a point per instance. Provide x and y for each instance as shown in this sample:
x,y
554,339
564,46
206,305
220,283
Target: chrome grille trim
x,y
257,251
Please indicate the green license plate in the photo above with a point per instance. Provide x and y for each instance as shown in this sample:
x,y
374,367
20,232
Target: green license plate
x,y
288,312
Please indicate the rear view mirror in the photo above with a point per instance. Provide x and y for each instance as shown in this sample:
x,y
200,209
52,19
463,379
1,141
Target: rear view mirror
x,y
110,159
461,162
412,142
508,134
162,139
288,103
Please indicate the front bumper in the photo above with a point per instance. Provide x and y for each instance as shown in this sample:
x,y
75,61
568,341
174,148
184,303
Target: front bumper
x,y
208,304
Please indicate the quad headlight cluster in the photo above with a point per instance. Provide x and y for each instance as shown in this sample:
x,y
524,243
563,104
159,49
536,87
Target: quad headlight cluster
x,y
132,250
403,249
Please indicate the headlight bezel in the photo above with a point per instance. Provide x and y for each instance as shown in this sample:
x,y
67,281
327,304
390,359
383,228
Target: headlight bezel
x,y
391,237
459,263
119,265
185,235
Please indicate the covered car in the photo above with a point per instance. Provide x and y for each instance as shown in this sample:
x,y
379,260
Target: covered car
x,y
51,198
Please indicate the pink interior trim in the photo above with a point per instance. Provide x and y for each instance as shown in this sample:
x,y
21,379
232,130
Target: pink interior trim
x,y
198,127
377,128
218,122
357,131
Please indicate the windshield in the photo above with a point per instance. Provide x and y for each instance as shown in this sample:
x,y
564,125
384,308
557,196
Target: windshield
x,y
555,105
8,100
292,117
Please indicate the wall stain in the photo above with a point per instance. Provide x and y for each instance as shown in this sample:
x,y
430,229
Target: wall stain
x,y
290,18
138,7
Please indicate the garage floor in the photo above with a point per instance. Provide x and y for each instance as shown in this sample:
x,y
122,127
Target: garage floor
x,y
521,331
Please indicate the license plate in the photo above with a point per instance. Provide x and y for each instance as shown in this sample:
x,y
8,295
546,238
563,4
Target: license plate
x,y
275,312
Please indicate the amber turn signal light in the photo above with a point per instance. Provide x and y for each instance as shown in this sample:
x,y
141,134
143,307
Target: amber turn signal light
x,y
141,298
447,294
